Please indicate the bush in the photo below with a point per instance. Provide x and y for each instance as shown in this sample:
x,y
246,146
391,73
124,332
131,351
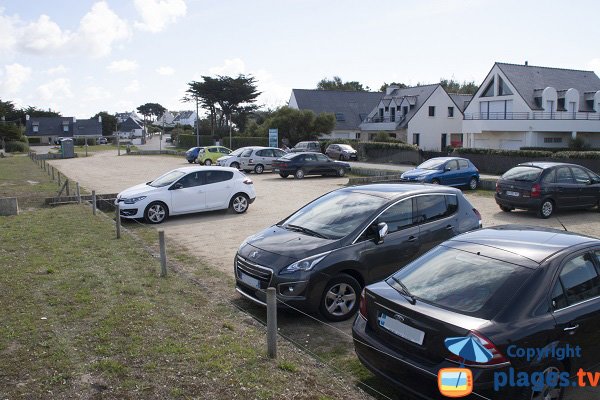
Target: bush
x,y
16,147
590,155
243,141
386,146
36,140
519,153
384,137
187,141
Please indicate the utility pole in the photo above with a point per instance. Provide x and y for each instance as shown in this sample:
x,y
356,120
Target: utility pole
x,y
161,133
197,125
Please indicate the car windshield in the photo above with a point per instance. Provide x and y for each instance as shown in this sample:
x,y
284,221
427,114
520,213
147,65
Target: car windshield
x,y
522,173
432,164
237,152
289,156
167,179
346,147
192,148
461,281
336,214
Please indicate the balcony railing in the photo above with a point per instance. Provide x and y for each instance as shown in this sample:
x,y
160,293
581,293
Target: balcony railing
x,y
378,119
559,115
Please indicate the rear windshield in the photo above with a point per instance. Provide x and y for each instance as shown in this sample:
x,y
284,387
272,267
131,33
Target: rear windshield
x,y
461,281
346,147
521,173
289,156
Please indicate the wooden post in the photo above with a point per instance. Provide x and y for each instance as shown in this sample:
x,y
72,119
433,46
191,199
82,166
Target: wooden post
x,y
58,178
67,187
271,322
94,202
78,192
52,172
118,221
163,253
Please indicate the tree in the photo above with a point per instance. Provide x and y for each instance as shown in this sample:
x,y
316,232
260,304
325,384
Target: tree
x,y
151,109
337,84
109,123
386,85
297,125
452,86
10,132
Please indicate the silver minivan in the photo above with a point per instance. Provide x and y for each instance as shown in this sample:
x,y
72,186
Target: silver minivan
x,y
258,159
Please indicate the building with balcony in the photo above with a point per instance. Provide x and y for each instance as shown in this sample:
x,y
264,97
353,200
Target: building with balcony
x,y
425,115
527,106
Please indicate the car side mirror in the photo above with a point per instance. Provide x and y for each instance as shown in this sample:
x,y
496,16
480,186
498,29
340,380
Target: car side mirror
x,y
382,231
176,186
447,169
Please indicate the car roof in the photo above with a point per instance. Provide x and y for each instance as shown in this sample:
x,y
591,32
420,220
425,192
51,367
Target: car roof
x,y
187,170
446,158
395,190
534,243
543,164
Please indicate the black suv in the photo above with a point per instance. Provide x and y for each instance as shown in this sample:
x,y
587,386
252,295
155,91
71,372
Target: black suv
x,y
320,257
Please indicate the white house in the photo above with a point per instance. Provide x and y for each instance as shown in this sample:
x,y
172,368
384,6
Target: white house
x,y
122,117
131,129
425,115
185,118
526,106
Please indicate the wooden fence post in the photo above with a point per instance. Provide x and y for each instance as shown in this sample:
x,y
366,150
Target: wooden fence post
x,y
163,253
58,178
52,172
78,192
118,220
94,202
271,322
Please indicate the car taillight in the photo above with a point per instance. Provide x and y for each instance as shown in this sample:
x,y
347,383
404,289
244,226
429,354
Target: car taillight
x,y
248,181
536,190
497,357
498,188
362,307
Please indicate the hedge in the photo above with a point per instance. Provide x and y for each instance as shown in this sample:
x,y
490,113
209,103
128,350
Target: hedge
x,y
244,141
513,153
187,141
388,146
16,147
590,155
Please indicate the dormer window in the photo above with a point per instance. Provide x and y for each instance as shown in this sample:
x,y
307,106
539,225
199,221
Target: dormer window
x,y
65,128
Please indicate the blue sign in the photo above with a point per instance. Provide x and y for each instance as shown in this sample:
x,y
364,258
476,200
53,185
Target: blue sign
x,y
273,137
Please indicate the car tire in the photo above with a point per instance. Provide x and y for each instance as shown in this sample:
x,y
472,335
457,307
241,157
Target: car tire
x,y
247,171
340,298
341,157
473,183
235,165
341,172
546,209
299,174
259,169
239,203
506,209
156,212
283,175
554,392
208,162
435,181
191,161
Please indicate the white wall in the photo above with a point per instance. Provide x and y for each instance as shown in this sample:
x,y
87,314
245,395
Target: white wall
x,y
430,129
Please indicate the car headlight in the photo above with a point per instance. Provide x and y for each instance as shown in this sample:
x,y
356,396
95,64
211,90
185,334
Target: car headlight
x,y
305,264
133,200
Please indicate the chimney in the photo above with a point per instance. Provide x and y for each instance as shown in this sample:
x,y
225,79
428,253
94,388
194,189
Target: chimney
x,y
100,118
390,89
27,117
526,63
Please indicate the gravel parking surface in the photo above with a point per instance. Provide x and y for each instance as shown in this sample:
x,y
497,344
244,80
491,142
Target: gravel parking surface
x,y
215,236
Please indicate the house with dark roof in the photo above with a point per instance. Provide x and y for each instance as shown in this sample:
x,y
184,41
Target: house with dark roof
x,y
130,129
527,106
185,118
122,117
47,130
350,108
425,115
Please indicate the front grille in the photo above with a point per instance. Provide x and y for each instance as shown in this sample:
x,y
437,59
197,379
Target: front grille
x,y
259,272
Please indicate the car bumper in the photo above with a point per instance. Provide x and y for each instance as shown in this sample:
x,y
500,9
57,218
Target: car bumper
x,y
526,203
133,211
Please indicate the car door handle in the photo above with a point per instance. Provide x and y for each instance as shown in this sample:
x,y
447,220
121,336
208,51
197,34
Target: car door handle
x,y
411,238
449,227
571,328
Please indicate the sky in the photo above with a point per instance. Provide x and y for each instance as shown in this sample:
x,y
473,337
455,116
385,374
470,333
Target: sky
x,y
81,57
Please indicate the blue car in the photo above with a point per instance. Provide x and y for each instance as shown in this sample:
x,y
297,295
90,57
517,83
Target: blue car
x,y
192,154
451,171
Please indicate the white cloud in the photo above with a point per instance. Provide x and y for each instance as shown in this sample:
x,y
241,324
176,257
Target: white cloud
x,y
122,66
43,36
165,70
594,65
156,14
100,28
95,93
55,90
133,87
14,76
273,94
58,70
8,31
231,67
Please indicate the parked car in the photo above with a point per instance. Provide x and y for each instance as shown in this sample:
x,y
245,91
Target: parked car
x,y
321,256
233,159
209,155
192,154
58,140
301,164
258,159
525,287
187,190
450,171
102,140
306,146
546,186
168,139
341,152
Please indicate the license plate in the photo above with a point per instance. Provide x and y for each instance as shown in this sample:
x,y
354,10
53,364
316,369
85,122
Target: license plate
x,y
275,169
401,329
514,194
250,281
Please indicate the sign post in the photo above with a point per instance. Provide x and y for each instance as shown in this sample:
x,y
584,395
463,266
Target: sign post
x,y
273,137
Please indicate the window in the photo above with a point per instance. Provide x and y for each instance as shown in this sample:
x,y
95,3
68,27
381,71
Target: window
x,y
387,109
224,150
310,158
579,279
381,112
213,149
431,208
246,153
451,165
559,300
192,180
557,140
398,216
416,138
450,112
503,89
398,108
489,89
549,177
218,176
563,176
36,128
321,158
432,111
463,164
405,110
456,139
278,153
340,117
581,177
65,128
451,204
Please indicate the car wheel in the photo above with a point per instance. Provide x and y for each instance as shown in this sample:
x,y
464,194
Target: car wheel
x,y
208,162
247,170
239,203
341,157
259,169
341,172
435,181
283,175
550,387
546,209
156,212
473,183
340,298
191,161
299,174
506,209
235,165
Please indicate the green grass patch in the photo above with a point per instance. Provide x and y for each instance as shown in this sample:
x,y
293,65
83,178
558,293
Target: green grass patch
x,y
22,178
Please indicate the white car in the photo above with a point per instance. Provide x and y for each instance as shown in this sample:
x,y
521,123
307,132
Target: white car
x,y
258,159
233,159
187,190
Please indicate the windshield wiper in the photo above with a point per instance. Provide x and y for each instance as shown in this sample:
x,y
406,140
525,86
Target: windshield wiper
x,y
412,299
305,230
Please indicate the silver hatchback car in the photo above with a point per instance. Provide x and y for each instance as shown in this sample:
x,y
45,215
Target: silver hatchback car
x,y
258,159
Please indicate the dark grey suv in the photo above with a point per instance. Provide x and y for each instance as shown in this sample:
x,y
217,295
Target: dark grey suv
x,y
320,257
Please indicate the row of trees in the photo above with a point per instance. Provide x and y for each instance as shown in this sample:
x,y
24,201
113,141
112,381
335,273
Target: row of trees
x,y
450,85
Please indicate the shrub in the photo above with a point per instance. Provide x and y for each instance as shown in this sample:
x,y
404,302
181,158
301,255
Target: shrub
x,y
593,155
243,141
520,153
16,147
387,146
384,137
187,141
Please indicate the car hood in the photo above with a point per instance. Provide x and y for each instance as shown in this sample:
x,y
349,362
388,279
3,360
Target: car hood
x,y
283,247
419,172
139,190
224,158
